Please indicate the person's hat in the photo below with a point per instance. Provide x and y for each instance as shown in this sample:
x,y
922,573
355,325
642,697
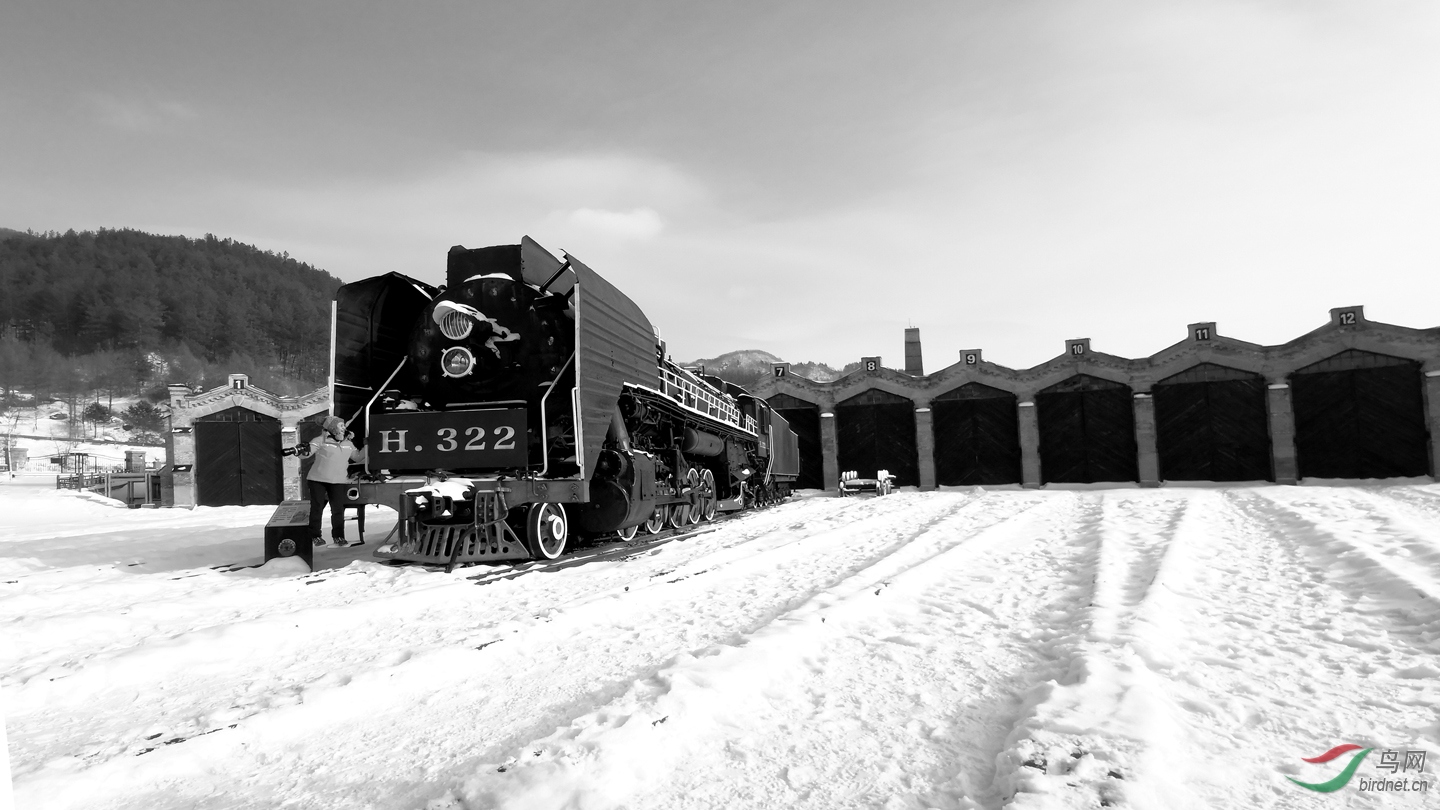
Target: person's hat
x,y
334,424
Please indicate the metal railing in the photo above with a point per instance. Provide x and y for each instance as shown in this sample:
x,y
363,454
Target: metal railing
x,y
690,391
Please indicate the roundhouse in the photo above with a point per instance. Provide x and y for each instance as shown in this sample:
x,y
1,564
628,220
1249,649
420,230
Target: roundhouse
x,y
1354,398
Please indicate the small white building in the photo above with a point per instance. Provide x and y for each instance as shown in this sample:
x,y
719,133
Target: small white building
x,y
224,444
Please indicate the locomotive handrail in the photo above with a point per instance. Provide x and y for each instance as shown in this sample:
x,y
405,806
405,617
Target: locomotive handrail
x,y
688,390
544,433
371,401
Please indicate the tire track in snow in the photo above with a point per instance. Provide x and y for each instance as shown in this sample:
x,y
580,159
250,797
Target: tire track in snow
x,y
860,638
1100,733
1413,523
159,633
552,634
1260,610
1359,536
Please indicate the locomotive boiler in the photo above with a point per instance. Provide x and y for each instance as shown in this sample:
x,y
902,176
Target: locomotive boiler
x,y
528,403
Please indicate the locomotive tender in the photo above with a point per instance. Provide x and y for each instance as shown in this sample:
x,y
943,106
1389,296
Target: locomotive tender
x,y
529,401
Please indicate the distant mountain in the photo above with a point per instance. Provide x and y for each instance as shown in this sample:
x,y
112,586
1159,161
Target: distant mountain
x,y
6,233
748,366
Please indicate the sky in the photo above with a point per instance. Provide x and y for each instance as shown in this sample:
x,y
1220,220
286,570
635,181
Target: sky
x,y
805,178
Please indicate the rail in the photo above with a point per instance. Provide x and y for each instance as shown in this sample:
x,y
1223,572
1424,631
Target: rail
x,y
690,391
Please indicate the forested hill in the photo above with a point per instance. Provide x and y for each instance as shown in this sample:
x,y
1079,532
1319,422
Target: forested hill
x,y
129,291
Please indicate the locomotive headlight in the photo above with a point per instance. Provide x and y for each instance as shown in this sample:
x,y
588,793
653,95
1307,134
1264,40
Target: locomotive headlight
x,y
457,361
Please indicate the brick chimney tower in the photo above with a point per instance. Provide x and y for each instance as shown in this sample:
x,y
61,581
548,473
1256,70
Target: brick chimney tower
x,y
913,366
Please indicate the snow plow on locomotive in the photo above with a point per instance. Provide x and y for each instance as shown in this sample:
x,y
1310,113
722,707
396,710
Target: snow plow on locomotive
x,y
527,403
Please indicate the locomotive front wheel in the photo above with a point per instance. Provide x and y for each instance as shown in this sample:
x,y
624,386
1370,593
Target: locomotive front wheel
x,y
628,534
547,530
656,523
708,501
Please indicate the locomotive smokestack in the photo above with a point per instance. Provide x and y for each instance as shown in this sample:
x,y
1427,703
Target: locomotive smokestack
x,y
913,365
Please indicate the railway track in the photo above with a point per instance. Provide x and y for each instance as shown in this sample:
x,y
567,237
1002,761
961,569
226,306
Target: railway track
x,y
606,550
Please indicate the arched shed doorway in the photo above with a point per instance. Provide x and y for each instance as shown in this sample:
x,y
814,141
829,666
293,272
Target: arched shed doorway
x,y
1211,424
237,459
1360,415
804,419
876,431
1087,431
977,436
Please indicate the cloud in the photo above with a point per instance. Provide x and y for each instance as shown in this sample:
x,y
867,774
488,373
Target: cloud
x,y
138,114
640,223
596,204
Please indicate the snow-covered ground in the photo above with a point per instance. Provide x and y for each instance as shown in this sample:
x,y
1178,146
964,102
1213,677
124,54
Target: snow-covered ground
x,y
1165,648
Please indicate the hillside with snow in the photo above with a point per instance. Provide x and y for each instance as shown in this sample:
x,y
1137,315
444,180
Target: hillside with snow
x,y
748,366
970,648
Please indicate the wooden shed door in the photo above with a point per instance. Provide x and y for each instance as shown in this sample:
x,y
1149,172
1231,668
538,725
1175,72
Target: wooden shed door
x,y
1211,424
804,419
237,459
876,431
1360,415
1087,431
977,436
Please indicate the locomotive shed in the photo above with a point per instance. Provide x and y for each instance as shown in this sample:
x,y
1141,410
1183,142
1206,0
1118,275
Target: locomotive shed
x,y
1352,399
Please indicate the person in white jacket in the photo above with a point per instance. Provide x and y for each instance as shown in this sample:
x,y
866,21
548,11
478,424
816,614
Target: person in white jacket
x,y
333,451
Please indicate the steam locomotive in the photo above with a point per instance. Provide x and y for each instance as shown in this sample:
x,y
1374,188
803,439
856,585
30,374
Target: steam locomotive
x,y
529,403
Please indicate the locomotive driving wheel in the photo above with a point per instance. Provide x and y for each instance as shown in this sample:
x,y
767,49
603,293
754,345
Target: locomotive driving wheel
x,y
708,500
656,521
628,533
677,515
547,530
692,482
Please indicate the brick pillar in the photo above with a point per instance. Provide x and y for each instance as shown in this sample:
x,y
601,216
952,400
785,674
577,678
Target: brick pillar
x,y
925,445
180,451
1282,434
1029,445
1147,454
829,450
1432,417
289,465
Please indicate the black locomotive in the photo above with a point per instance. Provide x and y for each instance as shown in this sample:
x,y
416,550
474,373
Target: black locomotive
x,y
528,402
